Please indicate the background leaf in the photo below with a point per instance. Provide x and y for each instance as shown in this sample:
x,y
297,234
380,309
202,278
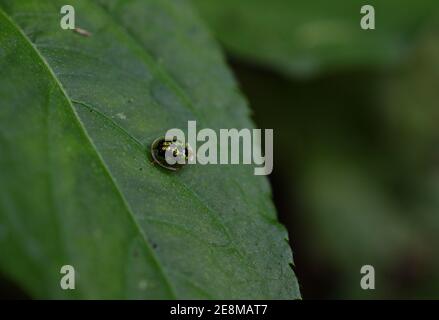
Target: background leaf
x,y
303,38
77,117
358,183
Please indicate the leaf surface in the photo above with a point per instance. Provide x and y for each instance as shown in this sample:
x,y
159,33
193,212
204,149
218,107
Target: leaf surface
x,y
77,117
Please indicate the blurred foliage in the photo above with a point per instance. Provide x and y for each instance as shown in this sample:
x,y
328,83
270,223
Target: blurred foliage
x,y
356,175
308,37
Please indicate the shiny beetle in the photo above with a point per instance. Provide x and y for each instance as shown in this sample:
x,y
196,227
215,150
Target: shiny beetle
x,y
179,153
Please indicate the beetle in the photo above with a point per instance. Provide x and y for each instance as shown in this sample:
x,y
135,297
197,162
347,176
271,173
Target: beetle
x,y
171,154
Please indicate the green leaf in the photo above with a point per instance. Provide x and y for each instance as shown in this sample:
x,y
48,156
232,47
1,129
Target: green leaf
x,y
77,117
302,38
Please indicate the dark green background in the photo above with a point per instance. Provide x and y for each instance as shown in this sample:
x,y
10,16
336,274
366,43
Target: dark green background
x,y
356,121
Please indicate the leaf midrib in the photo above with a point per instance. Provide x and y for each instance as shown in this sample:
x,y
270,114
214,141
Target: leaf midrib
x,y
101,161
